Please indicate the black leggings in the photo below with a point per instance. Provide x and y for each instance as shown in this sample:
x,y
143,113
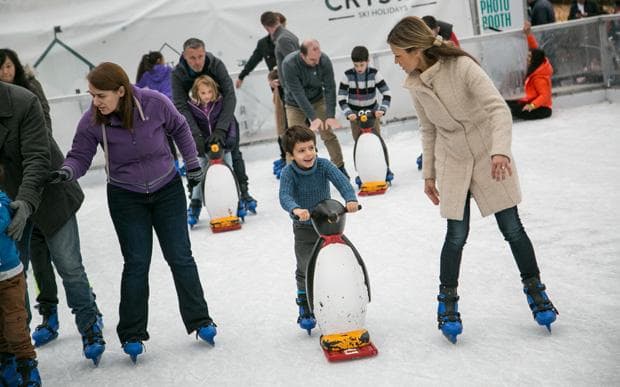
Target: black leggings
x,y
516,108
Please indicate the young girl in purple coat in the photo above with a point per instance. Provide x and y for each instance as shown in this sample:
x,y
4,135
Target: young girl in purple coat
x,y
206,106
145,193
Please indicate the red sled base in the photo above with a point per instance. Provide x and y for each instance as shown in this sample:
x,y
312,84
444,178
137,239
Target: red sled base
x,y
370,193
351,353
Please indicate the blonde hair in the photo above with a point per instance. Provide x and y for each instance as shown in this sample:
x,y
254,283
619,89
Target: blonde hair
x,y
412,33
207,81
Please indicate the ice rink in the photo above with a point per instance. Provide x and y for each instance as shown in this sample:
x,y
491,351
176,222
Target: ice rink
x,y
569,167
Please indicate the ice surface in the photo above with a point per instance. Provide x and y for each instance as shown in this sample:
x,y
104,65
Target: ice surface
x,y
569,167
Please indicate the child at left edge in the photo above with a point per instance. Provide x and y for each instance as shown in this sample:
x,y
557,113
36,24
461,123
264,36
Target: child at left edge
x,y
304,183
18,364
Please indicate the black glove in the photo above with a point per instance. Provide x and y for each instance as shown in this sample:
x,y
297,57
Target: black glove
x,y
59,176
22,213
200,145
194,177
217,137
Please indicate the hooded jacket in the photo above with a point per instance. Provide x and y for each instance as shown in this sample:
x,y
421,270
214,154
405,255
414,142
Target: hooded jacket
x,y
538,83
157,79
207,116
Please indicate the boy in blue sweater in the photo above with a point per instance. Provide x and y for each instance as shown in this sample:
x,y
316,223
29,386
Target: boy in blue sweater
x,y
18,366
303,184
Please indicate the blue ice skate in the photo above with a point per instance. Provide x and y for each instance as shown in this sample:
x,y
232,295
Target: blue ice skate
x,y
207,333
29,373
543,310
249,203
48,329
193,212
448,316
133,348
8,371
278,165
419,162
389,176
306,319
93,343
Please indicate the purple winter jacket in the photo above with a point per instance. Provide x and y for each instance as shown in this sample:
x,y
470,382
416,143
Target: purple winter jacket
x,y
139,160
157,79
206,117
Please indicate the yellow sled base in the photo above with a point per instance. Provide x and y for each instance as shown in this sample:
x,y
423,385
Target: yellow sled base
x,y
347,346
373,188
227,223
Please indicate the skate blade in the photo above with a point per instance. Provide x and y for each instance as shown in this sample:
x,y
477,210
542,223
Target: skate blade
x,y
351,353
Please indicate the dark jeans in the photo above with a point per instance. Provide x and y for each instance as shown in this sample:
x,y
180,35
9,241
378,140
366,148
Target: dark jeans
x,y
512,229
305,239
42,268
64,249
239,168
135,216
516,108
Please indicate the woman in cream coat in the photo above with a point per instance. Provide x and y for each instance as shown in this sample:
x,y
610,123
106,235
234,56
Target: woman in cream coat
x,y
466,135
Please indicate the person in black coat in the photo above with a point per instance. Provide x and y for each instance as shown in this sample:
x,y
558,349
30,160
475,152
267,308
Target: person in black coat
x,y
28,154
541,12
583,8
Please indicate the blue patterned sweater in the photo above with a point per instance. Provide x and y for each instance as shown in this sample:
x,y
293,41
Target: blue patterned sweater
x,y
305,189
10,265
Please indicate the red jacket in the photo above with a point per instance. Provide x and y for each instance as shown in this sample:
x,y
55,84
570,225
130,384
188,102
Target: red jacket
x,y
538,83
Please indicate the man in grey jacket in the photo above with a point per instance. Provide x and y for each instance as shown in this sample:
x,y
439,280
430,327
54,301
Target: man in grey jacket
x,y
310,94
28,153
194,62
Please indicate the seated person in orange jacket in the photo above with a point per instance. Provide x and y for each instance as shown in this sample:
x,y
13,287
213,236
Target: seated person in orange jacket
x,y
537,101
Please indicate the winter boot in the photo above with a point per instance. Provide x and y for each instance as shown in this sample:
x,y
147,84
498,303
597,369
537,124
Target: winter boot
x,y
543,310
389,176
448,316
306,319
344,170
193,212
278,165
207,333
358,181
29,372
133,348
8,370
249,203
48,329
93,343
419,162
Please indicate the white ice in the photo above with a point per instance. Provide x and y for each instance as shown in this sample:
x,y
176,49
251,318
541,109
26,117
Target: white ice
x,y
569,167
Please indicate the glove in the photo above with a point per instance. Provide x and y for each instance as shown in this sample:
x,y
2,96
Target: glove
x,y
217,137
200,145
194,177
59,176
22,213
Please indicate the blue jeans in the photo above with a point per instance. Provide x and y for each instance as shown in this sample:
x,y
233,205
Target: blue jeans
x,y
509,224
64,248
135,216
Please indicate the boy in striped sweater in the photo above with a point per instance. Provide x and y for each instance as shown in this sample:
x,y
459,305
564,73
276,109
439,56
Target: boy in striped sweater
x,y
358,91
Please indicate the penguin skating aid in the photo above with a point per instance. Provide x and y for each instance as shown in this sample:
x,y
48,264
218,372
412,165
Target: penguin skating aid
x,y
338,287
370,157
221,193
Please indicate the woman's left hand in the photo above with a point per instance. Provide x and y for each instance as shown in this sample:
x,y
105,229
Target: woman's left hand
x,y
500,166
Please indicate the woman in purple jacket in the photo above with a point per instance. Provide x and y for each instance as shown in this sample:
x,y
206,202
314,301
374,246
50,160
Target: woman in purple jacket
x,y
145,192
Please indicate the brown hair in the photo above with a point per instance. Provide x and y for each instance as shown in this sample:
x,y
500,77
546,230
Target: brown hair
x,y
296,134
412,33
207,81
111,77
269,19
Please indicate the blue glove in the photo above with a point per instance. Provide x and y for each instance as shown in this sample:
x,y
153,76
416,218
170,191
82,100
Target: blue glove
x,y
21,215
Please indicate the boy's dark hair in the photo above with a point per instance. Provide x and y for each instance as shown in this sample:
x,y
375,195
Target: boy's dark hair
x,y
269,19
295,134
430,21
359,54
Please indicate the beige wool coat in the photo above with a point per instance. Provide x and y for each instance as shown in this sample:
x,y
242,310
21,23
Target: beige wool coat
x,y
464,121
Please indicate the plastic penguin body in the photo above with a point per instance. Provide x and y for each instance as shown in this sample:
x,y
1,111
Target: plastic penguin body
x,y
371,157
